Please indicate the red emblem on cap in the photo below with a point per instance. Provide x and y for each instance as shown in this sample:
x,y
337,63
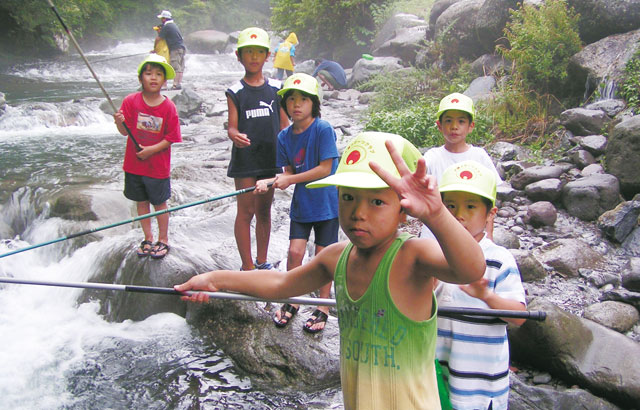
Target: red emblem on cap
x,y
353,157
254,36
466,175
297,81
454,101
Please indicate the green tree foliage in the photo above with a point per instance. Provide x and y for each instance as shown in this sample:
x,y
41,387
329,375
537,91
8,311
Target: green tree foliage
x,y
324,24
541,42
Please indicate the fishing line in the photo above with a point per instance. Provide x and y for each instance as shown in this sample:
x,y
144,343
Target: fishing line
x,y
95,76
116,58
442,311
138,218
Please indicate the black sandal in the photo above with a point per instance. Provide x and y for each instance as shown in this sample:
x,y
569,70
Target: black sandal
x,y
145,248
284,319
320,317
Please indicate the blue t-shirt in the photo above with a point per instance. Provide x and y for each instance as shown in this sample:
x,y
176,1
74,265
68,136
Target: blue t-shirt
x,y
303,152
171,34
334,69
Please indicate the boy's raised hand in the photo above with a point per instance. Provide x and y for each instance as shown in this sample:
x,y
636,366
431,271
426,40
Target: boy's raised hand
x,y
419,195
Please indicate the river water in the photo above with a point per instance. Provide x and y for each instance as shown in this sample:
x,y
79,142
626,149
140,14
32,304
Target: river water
x,y
57,352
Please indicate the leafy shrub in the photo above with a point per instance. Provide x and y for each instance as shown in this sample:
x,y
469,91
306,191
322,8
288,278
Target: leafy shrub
x,y
542,40
629,87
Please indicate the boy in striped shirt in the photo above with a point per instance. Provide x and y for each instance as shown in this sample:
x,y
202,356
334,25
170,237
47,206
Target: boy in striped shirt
x,y
474,351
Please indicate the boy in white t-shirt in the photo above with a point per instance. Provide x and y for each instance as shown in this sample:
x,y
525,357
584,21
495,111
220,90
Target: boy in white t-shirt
x,y
455,120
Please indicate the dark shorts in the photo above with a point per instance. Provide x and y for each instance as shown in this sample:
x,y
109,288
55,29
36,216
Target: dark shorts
x,y
331,79
326,232
139,188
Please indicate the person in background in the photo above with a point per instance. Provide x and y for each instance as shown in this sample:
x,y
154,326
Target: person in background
x,y
331,74
171,34
255,119
384,279
153,121
283,58
307,151
474,351
455,120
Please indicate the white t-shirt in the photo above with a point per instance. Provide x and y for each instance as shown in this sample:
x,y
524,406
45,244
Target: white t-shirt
x,y
438,159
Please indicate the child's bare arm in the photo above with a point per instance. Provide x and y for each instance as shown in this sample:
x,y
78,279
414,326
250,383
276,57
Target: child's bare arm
x,y
118,118
150,150
480,290
239,139
288,178
460,259
268,284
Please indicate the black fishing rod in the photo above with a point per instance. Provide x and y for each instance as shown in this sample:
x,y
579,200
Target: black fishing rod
x,y
138,218
442,311
95,76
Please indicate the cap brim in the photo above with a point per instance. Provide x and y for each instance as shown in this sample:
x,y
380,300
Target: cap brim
x,y
466,188
350,180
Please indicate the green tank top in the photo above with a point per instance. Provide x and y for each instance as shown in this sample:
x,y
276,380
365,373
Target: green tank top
x,y
386,359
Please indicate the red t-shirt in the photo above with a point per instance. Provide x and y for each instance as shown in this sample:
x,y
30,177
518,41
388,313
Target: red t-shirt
x,y
149,126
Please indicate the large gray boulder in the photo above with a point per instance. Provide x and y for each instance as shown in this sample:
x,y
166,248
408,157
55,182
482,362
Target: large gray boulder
x,y
618,316
395,23
618,223
455,29
581,121
602,61
589,197
534,174
405,44
631,275
568,256
580,352
491,20
622,157
365,69
602,18
437,9
188,102
74,206
206,41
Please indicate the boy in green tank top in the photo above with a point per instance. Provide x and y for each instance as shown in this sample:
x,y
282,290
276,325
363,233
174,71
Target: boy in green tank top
x,y
384,279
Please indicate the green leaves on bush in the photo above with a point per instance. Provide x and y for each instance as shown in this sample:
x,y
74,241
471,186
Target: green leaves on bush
x,y
542,40
629,87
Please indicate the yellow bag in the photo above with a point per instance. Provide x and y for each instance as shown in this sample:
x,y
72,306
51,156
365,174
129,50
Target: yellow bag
x,y
161,47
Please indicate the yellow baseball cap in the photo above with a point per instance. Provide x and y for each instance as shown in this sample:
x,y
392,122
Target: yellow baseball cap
x,y
302,82
158,59
456,101
253,36
354,171
472,177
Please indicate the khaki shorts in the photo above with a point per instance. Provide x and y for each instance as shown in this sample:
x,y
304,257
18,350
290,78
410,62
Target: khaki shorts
x,y
176,58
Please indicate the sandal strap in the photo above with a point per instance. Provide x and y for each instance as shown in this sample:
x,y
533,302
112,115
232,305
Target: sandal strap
x,y
288,308
320,317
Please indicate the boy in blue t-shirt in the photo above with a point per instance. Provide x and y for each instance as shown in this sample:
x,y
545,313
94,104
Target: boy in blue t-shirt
x,y
307,151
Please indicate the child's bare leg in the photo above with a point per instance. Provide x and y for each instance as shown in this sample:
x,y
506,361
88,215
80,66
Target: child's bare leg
x,y
263,224
242,227
297,249
163,223
144,208
324,293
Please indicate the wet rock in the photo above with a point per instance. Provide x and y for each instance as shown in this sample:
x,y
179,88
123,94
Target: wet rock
x,y
530,268
535,173
541,213
623,155
74,206
523,396
567,256
595,144
618,316
273,357
570,348
618,223
589,197
600,279
632,243
631,275
544,190
188,102
622,295
581,121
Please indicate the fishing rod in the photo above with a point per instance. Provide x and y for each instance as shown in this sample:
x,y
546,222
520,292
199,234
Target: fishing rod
x,y
138,218
116,58
442,311
95,76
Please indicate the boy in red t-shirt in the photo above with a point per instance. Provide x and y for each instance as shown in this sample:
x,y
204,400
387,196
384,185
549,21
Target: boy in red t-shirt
x,y
153,121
